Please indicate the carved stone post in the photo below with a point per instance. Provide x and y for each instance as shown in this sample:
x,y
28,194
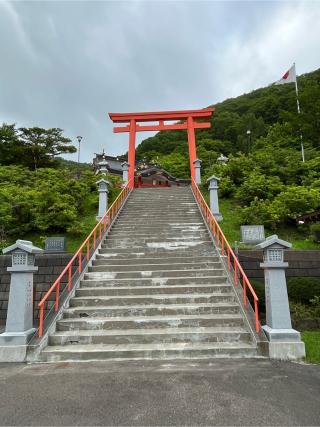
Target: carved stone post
x,y
197,168
125,173
19,324
284,342
214,200
103,197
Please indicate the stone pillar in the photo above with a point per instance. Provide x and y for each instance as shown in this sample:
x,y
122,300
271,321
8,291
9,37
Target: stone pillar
x,y
214,200
125,173
19,324
284,342
103,197
197,169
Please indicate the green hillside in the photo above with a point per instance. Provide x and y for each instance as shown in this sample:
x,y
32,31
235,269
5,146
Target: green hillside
x,y
42,194
265,180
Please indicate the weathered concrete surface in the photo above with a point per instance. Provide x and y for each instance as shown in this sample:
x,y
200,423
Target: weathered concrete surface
x,y
224,392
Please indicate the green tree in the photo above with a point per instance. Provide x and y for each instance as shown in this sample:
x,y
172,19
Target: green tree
x,y
42,145
11,148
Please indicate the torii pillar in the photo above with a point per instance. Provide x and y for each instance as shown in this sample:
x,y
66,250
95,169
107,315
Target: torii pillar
x,y
132,152
183,120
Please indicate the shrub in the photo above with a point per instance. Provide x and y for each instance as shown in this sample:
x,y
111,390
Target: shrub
x,y
303,289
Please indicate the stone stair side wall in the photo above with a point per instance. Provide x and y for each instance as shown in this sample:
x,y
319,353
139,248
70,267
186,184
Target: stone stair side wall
x,y
50,266
302,263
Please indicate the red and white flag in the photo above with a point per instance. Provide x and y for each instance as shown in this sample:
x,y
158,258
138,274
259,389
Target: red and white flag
x,y
288,77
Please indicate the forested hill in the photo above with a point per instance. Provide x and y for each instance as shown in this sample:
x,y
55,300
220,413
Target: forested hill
x,y
258,112
264,180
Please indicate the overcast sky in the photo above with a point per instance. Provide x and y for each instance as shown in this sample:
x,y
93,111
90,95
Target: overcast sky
x,y
68,63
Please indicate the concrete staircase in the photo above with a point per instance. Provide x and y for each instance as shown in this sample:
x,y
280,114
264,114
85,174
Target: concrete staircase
x,y
157,290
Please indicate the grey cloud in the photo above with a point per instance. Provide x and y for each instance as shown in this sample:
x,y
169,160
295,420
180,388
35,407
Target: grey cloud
x,y
68,64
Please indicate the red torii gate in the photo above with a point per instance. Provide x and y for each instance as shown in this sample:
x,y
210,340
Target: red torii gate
x,y
186,120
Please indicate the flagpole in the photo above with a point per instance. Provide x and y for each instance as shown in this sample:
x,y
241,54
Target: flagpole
x,y
298,109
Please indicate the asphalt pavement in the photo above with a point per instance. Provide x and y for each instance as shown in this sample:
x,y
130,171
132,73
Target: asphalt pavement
x,y
249,392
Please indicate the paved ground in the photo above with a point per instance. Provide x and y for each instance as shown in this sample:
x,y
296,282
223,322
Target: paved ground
x,y
225,392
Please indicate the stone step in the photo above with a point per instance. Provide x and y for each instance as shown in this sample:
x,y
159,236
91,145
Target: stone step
x,y
103,259
221,320
156,281
168,351
103,267
121,223
149,336
153,204
164,238
154,274
161,212
159,252
164,244
176,216
163,206
141,300
152,310
151,290
141,236
156,202
161,198
146,230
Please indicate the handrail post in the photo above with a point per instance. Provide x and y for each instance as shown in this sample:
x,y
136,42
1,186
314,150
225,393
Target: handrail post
x,y
69,278
80,261
256,313
41,318
235,268
88,249
56,305
244,285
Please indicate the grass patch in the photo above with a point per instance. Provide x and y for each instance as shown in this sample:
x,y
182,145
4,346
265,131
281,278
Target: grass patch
x,y
312,342
298,236
73,241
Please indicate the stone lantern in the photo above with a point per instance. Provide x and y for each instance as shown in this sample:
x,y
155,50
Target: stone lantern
x,y
103,166
284,342
125,168
19,324
222,159
197,169
214,200
103,197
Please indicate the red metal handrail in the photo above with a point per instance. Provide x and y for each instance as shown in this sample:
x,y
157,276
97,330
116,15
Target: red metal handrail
x,y
89,244
226,250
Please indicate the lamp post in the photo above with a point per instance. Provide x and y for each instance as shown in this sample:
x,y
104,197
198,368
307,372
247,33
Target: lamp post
x,y
79,138
248,140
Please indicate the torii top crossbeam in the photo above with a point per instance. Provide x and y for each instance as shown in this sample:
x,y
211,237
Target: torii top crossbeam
x,y
185,119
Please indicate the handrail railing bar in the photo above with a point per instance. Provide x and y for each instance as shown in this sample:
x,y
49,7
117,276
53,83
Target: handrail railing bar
x,y
224,245
111,213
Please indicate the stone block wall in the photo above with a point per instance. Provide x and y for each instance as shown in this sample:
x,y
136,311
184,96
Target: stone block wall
x,y
301,263
50,266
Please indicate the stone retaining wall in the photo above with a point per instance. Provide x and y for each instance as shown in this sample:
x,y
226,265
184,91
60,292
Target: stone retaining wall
x,y
50,266
301,263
